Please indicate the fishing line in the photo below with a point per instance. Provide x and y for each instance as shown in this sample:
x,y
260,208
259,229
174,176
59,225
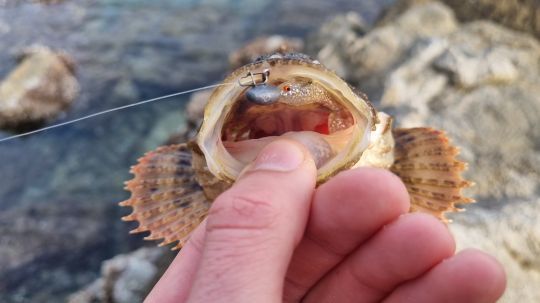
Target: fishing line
x,y
112,110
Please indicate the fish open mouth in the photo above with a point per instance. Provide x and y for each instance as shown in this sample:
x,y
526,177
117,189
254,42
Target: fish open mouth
x,y
285,96
324,129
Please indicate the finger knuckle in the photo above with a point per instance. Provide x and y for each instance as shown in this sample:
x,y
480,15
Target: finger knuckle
x,y
243,211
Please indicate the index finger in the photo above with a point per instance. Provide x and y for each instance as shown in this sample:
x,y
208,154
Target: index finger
x,y
254,226
176,282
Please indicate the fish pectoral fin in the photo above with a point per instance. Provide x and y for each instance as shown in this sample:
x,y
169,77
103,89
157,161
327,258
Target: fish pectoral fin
x,y
166,199
426,162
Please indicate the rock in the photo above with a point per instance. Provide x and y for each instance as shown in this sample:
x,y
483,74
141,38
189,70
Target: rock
x,y
367,59
126,278
38,89
333,38
516,14
263,46
479,82
390,13
516,244
465,88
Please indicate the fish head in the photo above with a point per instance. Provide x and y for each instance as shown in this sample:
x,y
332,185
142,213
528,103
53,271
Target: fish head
x,y
285,96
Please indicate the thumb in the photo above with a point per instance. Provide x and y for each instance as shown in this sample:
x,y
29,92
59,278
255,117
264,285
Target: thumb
x,y
253,228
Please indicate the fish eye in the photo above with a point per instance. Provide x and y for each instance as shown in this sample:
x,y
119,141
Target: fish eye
x,y
286,88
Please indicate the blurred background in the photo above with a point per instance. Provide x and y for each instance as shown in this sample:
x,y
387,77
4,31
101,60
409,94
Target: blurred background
x,y
471,68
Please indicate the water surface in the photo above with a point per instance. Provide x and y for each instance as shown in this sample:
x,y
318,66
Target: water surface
x,y
59,189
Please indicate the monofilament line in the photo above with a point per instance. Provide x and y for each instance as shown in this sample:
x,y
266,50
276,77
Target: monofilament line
x,y
112,110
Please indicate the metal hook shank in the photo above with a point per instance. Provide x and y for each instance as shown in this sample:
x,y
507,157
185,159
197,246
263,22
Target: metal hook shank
x,y
254,79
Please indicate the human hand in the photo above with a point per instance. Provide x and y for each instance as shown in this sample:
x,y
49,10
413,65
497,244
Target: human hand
x,y
272,237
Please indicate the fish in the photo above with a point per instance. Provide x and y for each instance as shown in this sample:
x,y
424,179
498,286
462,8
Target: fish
x,y
287,95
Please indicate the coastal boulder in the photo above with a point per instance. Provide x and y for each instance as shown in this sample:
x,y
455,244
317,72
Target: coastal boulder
x,y
126,278
40,87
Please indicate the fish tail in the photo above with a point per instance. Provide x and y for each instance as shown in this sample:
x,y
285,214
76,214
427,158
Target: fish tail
x,y
426,162
166,199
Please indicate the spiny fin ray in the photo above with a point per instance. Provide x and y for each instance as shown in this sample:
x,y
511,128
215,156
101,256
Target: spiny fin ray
x,y
166,199
425,160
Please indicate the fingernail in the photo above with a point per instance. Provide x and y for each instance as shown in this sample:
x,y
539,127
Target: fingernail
x,y
281,156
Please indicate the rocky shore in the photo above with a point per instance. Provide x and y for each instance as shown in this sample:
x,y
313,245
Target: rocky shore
x,y
59,192
39,89
425,62
478,81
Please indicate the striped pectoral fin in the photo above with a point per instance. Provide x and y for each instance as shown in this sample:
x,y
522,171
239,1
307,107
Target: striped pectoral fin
x,y
426,162
166,199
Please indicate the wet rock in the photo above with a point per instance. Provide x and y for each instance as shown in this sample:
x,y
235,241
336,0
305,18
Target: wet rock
x,y
262,46
126,278
39,88
479,82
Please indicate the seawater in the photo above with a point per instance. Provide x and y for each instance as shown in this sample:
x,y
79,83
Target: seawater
x,y
59,189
